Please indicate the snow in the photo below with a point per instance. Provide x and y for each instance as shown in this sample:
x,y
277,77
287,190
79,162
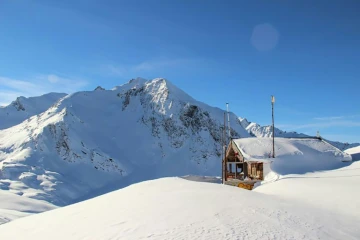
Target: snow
x,y
23,108
60,149
207,179
294,155
333,191
13,206
174,208
266,131
354,152
92,141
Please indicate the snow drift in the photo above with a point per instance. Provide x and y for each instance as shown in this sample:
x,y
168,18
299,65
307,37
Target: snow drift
x,y
173,208
332,191
13,206
354,152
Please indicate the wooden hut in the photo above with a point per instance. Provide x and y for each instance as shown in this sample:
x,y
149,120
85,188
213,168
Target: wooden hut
x,y
240,169
249,160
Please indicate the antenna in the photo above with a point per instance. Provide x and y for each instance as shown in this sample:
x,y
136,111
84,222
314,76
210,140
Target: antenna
x,y
273,128
228,114
224,150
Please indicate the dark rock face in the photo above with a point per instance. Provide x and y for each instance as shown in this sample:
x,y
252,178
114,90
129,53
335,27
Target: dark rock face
x,y
18,105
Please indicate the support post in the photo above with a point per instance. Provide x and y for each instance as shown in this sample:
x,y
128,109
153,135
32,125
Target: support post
x,y
228,114
224,151
273,126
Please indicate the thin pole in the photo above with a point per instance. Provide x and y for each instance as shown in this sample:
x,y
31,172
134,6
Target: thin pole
x,y
273,129
224,149
227,107
222,155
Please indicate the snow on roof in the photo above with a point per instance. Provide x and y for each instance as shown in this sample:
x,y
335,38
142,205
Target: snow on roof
x,y
293,155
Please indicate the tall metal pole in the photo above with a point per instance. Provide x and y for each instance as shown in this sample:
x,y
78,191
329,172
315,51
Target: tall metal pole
x,y
224,150
273,128
228,114
222,156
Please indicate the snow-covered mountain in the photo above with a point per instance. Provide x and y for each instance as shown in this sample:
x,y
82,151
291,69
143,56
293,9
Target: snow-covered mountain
x,y
78,146
87,140
266,131
23,108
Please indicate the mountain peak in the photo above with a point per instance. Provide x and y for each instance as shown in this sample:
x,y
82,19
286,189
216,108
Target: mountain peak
x,y
99,88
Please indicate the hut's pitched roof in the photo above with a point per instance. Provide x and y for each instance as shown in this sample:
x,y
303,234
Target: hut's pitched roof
x,y
259,149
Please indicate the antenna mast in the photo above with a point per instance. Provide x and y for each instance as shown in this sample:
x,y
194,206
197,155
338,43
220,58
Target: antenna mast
x,y
224,151
273,127
228,115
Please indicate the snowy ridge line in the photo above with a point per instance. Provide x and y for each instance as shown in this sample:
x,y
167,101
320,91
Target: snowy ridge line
x,y
337,148
266,131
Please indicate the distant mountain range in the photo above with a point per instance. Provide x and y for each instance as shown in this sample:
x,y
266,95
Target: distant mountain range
x,y
266,131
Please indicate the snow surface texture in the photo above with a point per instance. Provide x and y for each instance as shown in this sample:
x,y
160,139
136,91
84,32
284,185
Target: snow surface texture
x,y
89,143
293,155
354,152
13,206
333,191
174,208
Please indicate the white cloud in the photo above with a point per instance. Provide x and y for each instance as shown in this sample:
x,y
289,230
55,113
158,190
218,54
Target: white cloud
x,y
336,118
264,37
323,124
127,70
53,78
115,70
7,97
329,118
54,82
11,88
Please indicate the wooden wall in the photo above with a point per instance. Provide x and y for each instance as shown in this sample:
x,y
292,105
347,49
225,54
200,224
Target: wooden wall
x,y
256,171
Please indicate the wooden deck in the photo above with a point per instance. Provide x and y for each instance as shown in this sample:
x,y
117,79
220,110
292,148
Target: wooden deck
x,y
246,184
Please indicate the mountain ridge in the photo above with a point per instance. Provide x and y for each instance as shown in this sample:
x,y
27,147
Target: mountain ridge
x,y
257,130
140,127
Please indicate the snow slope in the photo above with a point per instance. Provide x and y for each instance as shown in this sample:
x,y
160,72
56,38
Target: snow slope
x,y
294,155
173,208
334,191
354,152
13,206
88,141
23,108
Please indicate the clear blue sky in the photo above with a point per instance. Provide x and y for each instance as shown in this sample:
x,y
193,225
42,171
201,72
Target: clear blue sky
x,y
306,53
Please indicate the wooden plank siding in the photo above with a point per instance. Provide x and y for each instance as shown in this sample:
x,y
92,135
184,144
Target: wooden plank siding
x,y
233,154
255,170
